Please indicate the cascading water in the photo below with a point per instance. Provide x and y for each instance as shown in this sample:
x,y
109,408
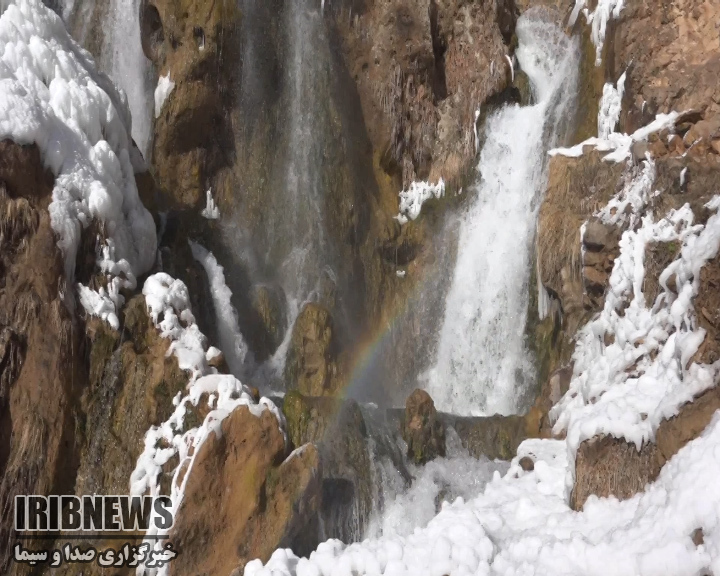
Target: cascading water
x,y
125,63
482,365
301,234
121,56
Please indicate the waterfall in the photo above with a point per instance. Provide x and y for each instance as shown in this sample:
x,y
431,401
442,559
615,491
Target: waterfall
x,y
124,61
117,47
298,247
482,365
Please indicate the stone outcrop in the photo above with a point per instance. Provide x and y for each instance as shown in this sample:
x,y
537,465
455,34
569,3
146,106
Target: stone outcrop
x,y
606,466
422,430
312,365
675,55
422,68
195,44
41,371
671,58
338,429
243,499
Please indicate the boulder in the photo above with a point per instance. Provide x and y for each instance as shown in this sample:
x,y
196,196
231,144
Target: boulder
x,y
422,430
337,428
607,466
311,366
243,500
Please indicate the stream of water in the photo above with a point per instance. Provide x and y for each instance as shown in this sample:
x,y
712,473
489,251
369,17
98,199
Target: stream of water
x,y
482,365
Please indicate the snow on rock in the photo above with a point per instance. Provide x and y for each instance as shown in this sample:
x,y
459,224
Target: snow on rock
x,y
522,524
211,211
168,303
52,95
231,339
610,107
598,19
628,387
106,302
616,144
162,91
411,200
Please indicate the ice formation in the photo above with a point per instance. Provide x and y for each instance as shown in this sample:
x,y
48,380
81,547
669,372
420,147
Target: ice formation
x,y
164,87
610,107
598,19
168,303
211,211
231,339
522,524
412,199
52,95
106,302
627,388
618,145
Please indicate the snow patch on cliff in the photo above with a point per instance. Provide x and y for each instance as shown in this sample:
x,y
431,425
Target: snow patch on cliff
x,y
412,199
168,303
164,87
51,94
598,19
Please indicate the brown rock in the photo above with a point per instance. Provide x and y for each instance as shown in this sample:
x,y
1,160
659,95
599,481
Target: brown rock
x,y
422,431
43,370
595,280
690,422
597,236
704,130
495,437
242,501
605,466
674,52
527,464
311,366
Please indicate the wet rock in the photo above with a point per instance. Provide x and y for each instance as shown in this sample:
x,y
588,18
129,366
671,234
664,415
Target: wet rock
x,y
311,366
243,499
269,305
422,430
524,88
493,437
338,429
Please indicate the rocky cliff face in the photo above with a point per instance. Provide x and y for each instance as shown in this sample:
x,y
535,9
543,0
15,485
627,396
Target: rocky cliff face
x,y
305,160
669,56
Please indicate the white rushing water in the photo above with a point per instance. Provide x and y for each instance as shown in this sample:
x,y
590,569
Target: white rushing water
x,y
124,61
297,233
482,365
405,508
